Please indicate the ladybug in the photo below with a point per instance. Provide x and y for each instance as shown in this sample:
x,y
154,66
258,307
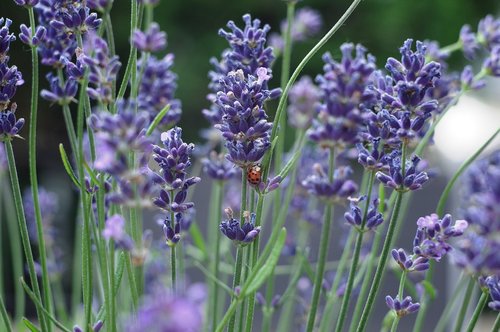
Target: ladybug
x,y
254,174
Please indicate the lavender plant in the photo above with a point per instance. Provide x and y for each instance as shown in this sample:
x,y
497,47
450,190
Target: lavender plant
x,y
359,133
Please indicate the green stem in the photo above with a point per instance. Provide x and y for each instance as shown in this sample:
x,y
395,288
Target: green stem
x,y
327,319
246,263
425,299
287,311
132,58
323,250
236,281
463,167
16,251
402,281
450,305
465,304
452,47
239,251
381,264
357,251
21,219
217,195
173,267
285,74
5,316
366,281
229,314
76,283
47,294
132,282
86,243
108,26
496,326
477,312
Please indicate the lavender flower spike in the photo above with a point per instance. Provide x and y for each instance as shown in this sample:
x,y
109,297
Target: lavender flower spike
x,y
373,217
493,283
241,234
173,159
340,188
411,180
9,125
32,40
27,3
115,229
217,167
402,308
304,100
345,97
153,40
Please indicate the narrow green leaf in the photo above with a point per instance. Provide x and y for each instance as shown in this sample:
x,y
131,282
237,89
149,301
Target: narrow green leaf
x,y
213,278
291,163
197,237
30,325
5,316
67,165
46,313
92,175
429,289
157,119
251,285
118,279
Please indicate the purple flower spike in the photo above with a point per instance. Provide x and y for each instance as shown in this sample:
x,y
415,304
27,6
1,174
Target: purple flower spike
x,y
470,44
218,168
244,123
433,234
373,217
5,38
372,159
26,36
75,18
27,3
493,283
492,63
173,160
62,95
340,188
304,101
172,230
103,69
248,46
410,263
345,93
478,248
468,80
402,308
410,181
157,89
306,24
9,125
240,234
115,230
488,32
153,40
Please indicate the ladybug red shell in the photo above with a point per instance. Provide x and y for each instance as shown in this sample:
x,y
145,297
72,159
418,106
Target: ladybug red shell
x,y
254,174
